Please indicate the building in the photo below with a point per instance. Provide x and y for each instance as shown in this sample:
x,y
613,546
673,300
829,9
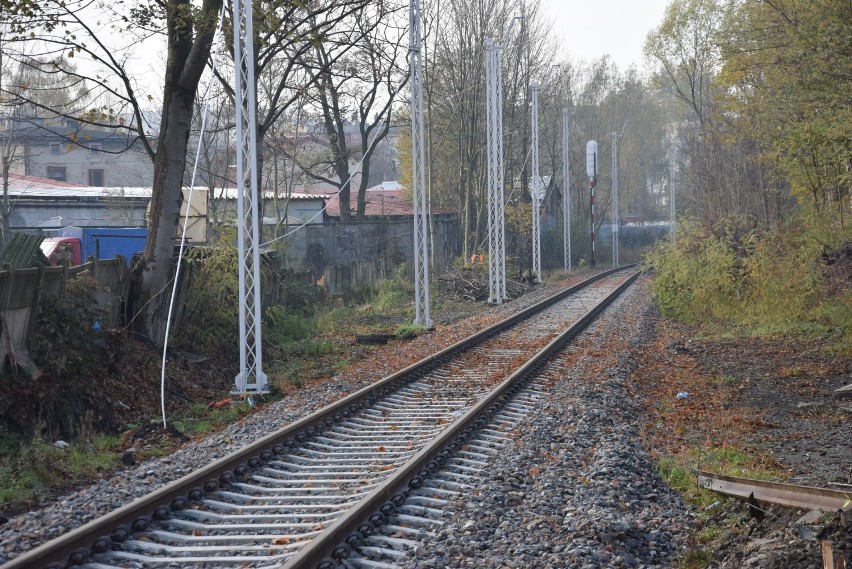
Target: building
x,y
43,204
65,150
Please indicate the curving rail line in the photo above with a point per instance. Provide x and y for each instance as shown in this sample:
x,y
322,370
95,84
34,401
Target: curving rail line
x,y
409,505
259,506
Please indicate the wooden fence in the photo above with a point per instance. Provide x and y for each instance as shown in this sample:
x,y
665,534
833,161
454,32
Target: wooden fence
x,y
24,291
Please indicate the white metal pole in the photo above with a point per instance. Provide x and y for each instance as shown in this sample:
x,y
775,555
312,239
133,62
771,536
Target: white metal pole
x,y
615,218
536,180
251,379
502,294
418,170
494,296
566,185
672,191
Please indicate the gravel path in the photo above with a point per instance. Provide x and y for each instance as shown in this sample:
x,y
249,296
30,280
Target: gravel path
x,y
581,491
29,530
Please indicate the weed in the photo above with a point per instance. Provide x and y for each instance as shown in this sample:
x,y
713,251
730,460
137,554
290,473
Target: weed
x,y
409,331
726,380
284,327
37,465
200,420
395,293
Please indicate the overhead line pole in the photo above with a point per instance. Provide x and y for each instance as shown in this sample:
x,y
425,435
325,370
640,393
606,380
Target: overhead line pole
x,y
672,191
566,193
418,169
494,120
536,206
251,379
615,218
497,292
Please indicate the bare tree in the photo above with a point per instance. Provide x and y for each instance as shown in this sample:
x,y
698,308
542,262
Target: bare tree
x,y
91,32
355,93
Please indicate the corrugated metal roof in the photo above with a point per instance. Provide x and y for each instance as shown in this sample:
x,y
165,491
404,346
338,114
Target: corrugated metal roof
x,y
38,188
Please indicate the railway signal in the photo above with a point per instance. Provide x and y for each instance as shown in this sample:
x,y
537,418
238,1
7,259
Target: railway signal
x,y
592,173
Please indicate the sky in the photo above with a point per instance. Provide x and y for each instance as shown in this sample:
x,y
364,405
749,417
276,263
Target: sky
x,y
589,28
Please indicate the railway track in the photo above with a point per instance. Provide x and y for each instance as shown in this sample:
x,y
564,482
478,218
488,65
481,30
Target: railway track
x,y
260,506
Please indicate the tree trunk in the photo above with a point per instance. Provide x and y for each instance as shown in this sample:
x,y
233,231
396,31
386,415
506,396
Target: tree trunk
x,y
187,56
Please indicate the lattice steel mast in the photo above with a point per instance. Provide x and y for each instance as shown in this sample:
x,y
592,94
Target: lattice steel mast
x,y
251,379
418,170
535,190
496,204
615,218
566,194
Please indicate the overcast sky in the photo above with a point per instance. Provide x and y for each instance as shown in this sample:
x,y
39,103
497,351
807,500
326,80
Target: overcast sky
x,y
589,28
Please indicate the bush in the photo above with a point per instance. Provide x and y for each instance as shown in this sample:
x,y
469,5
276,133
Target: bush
x,y
283,327
210,322
766,280
68,338
395,292
699,277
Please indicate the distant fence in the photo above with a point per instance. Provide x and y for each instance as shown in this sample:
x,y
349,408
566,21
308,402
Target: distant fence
x,y
341,256
370,250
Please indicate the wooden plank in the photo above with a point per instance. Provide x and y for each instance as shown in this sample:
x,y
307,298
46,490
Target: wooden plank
x,y
827,555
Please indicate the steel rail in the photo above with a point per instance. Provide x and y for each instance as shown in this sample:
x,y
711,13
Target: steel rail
x,y
327,549
96,536
792,495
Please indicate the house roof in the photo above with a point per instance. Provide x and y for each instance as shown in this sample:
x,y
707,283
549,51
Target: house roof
x,y
386,199
19,182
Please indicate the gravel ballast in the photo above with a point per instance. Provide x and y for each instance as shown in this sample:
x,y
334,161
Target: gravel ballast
x,y
579,490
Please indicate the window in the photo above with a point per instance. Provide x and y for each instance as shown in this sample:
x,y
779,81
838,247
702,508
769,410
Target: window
x,y
55,149
95,148
56,173
96,178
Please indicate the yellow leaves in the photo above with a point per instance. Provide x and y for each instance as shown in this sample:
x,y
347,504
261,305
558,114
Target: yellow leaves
x,y
281,541
393,428
381,449
535,471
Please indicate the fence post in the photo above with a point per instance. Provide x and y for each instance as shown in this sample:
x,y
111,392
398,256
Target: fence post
x,y
64,282
4,321
36,301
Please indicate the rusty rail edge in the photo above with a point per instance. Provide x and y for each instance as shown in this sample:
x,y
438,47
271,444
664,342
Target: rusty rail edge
x,y
332,546
76,546
792,495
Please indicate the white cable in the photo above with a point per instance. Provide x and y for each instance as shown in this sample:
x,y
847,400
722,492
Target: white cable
x,y
186,216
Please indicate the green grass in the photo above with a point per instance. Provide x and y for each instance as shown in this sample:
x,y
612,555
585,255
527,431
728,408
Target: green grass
x,y
409,331
35,465
679,471
200,420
